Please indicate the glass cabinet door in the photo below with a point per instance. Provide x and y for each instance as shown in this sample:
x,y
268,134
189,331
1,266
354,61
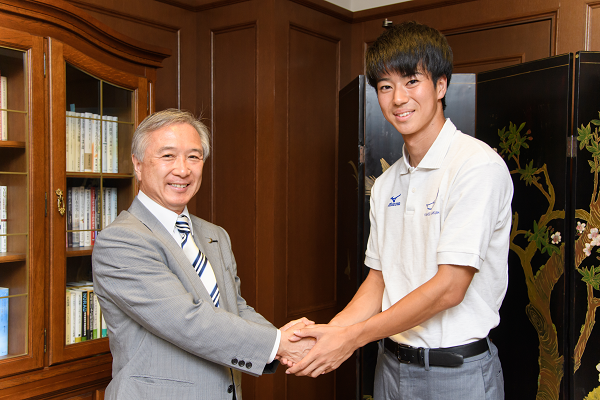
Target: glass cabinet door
x,y
20,253
92,129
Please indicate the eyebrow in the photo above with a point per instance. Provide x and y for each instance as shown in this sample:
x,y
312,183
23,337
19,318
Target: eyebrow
x,y
167,148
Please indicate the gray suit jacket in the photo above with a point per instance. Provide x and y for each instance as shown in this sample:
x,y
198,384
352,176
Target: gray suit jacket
x,y
167,339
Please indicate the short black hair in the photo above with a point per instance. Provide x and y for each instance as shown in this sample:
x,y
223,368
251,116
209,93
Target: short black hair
x,y
408,48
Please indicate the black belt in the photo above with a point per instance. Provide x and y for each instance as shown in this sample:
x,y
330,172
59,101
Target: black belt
x,y
440,357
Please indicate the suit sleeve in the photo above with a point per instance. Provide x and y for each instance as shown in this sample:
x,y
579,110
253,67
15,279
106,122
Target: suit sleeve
x,y
130,273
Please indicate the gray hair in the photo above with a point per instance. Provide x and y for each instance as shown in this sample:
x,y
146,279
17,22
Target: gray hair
x,y
164,118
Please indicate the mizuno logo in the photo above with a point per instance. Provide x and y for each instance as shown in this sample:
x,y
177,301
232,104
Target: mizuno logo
x,y
394,203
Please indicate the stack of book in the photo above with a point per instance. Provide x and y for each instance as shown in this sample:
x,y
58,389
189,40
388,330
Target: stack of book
x,y
92,143
88,213
84,319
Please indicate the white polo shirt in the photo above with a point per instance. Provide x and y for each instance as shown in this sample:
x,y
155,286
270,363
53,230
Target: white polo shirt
x,y
453,208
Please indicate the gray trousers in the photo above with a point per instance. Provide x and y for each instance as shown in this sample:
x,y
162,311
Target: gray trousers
x,y
479,378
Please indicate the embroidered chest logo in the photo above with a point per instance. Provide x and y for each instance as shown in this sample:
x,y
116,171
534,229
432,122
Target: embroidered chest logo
x,y
394,202
430,206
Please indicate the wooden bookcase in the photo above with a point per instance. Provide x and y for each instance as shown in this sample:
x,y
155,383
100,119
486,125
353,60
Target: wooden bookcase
x,y
56,59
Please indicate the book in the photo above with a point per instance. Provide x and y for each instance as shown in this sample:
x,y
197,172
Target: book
x,y
115,150
73,315
104,329
93,214
96,143
68,141
79,145
113,204
3,321
87,143
77,309
68,317
3,219
3,106
75,216
104,128
86,329
69,217
87,202
97,319
106,205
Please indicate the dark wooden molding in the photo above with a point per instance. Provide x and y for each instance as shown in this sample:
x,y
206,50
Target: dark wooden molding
x,y
124,16
72,19
517,58
378,12
328,8
408,7
200,5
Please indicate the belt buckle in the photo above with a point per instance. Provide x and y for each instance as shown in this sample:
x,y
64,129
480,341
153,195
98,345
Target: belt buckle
x,y
399,353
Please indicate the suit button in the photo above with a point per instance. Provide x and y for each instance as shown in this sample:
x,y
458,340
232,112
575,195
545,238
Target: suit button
x,y
234,361
241,363
249,365
230,389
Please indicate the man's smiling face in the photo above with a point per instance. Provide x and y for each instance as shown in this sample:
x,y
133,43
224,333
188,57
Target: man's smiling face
x,y
171,172
411,103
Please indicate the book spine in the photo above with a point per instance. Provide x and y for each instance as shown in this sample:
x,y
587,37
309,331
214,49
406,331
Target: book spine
x,y
3,321
78,313
104,329
73,316
88,143
3,218
115,145
69,217
109,145
68,317
84,310
93,214
86,218
68,140
106,204
81,216
79,150
96,143
97,319
104,145
113,204
4,106
75,216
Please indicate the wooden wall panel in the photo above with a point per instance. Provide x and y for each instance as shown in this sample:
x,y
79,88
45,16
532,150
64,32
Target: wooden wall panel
x,y
592,41
234,145
473,53
312,137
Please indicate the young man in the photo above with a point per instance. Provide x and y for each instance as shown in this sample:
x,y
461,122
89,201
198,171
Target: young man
x,y
438,246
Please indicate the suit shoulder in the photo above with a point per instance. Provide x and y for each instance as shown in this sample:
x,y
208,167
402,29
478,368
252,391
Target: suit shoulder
x,y
208,227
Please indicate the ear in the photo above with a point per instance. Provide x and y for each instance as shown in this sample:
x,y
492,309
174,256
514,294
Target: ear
x,y
441,87
137,167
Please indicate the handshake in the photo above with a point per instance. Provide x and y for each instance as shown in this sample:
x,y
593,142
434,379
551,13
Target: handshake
x,y
308,349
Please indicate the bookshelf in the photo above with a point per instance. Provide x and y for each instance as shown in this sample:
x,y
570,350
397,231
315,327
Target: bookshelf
x,y
20,161
62,68
93,103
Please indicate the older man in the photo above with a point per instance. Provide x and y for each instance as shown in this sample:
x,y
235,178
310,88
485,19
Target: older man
x,y
168,286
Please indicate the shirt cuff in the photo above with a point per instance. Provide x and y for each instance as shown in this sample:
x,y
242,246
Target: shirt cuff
x,y
275,348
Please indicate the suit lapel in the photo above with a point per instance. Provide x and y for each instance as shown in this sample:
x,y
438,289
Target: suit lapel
x,y
183,268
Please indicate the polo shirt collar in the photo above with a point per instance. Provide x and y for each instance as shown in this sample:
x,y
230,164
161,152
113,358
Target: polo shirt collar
x,y
435,155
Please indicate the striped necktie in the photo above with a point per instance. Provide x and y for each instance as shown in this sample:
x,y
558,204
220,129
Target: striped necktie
x,y
198,259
